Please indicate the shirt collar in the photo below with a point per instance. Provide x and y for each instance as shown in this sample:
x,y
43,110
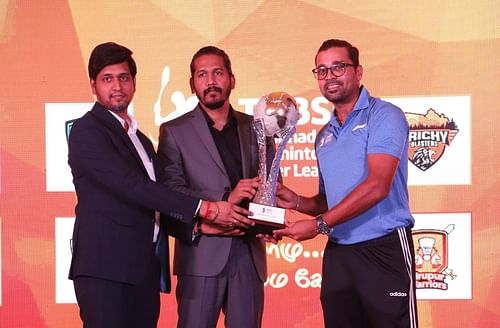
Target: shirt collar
x,y
133,125
231,118
363,100
362,103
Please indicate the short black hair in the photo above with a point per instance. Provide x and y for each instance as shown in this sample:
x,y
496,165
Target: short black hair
x,y
211,50
110,53
336,43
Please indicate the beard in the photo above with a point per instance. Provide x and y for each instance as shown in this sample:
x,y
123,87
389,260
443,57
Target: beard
x,y
345,93
119,105
214,103
335,96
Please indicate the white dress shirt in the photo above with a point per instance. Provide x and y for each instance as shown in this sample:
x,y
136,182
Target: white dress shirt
x,y
146,160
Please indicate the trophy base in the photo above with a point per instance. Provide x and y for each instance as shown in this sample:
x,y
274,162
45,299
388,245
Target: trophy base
x,y
267,218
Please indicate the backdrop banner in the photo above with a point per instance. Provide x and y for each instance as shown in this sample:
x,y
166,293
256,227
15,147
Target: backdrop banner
x,y
437,61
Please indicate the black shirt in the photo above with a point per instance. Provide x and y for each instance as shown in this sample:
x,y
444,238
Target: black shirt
x,y
228,145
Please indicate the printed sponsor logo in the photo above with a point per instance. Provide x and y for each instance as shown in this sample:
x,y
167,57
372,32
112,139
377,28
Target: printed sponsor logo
x,y
429,136
442,246
69,125
431,258
439,150
398,294
59,119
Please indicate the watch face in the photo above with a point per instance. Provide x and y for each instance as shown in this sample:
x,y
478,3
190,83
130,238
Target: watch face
x,y
322,227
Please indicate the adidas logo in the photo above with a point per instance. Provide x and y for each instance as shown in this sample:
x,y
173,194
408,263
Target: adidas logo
x,y
397,294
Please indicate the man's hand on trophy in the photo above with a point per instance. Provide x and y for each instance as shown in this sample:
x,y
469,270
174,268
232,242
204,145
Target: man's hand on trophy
x,y
269,238
245,189
286,198
274,238
213,229
298,230
225,214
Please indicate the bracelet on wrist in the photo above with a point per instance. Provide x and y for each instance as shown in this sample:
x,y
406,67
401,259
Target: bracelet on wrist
x,y
297,204
205,213
212,219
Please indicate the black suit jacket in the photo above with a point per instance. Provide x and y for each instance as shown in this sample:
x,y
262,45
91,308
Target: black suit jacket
x,y
113,233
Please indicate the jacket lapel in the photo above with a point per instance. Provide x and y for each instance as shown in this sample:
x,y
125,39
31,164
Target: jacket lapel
x,y
201,130
245,134
106,118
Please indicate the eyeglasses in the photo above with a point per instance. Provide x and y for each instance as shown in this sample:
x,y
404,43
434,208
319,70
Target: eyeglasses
x,y
321,72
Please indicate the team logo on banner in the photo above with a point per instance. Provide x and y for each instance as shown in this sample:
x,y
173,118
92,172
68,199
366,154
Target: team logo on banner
x,y
59,119
430,134
431,258
69,125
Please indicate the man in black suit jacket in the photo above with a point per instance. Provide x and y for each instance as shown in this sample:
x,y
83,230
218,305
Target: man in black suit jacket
x,y
115,271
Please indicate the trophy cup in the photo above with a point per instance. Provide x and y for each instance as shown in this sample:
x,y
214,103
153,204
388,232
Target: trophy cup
x,y
275,114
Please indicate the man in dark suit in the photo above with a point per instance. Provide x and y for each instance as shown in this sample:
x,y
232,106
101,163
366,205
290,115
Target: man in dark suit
x,y
115,271
212,153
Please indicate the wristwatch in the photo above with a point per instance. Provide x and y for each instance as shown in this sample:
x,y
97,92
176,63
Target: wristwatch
x,y
322,227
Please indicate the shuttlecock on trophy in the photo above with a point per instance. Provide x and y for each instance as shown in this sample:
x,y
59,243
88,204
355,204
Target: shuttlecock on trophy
x,y
278,112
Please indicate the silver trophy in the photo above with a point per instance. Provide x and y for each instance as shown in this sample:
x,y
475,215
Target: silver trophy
x,y
275,114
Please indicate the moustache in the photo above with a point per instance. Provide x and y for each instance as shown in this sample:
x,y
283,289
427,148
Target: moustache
x,y
333,82
118,94
210,89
